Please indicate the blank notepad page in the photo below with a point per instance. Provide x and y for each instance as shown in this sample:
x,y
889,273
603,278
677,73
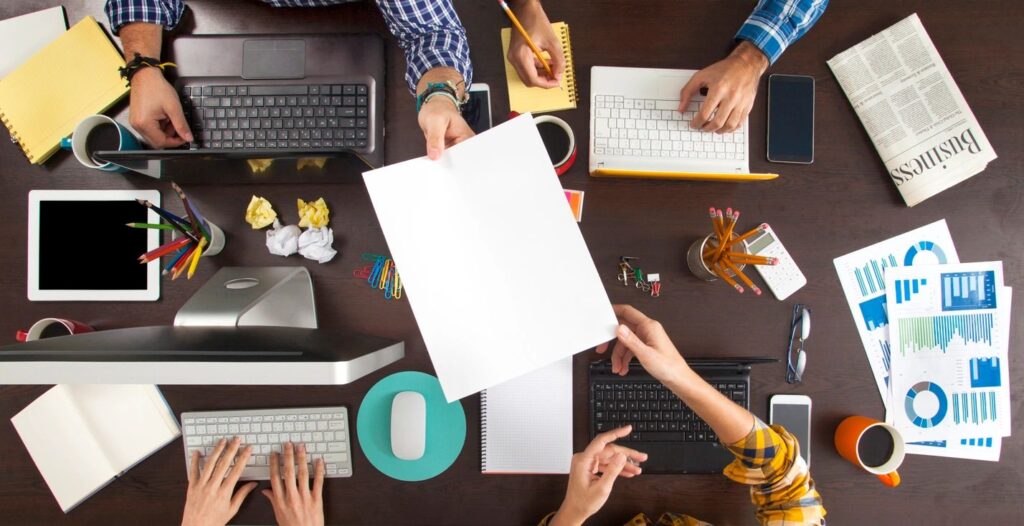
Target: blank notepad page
x,y
526,423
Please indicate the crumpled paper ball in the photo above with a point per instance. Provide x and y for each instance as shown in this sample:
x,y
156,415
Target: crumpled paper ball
x,y
259,213
314,214
315,244
283,241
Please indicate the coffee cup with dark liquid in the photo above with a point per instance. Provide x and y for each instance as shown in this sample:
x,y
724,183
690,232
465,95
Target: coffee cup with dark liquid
x,y
558,140
99,133
872,445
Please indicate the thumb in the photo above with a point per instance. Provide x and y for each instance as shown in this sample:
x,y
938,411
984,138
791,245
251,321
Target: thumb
x,y
268,494
177,118
633,342
611,472
434,131
240,495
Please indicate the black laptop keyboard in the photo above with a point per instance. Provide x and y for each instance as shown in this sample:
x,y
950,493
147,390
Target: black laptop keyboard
x,y
655,412
273,117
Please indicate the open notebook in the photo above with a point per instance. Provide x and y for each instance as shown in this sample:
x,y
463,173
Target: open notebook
x,y
73,77
523,99
81,437
526,423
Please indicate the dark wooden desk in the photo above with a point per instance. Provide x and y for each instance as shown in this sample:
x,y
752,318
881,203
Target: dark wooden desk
x,y
842,202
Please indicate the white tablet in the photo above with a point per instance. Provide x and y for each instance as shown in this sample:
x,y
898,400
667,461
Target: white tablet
x,y
80,249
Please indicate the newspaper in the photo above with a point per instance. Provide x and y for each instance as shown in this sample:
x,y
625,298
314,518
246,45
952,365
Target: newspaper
x,y
912,110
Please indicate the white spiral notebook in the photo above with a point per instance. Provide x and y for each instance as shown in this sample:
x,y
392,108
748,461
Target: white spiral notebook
x,y
526,423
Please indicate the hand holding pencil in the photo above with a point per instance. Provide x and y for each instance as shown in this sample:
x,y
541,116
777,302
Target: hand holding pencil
x,y
532,37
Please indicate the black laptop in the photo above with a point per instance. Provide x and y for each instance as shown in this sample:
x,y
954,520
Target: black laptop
x,y
273,108
674,437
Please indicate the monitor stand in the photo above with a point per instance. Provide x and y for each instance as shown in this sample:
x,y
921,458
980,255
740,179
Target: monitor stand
x,y
252,297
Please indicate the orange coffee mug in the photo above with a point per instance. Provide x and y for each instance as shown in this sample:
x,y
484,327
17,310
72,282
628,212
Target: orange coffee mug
x,y
872,445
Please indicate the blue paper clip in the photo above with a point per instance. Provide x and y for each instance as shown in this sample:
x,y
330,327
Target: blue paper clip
x,y
378,266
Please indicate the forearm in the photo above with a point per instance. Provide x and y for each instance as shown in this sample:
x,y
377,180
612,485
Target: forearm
x,y
142,38
729,421
442,74
752,55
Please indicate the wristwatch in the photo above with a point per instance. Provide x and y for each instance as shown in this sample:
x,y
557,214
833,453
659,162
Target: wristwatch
x,y
446,89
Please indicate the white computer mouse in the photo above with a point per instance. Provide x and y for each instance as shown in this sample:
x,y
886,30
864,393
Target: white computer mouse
x,y
408,425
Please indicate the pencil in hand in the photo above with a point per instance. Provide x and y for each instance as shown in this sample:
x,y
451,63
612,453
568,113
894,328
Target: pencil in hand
x,y
529,41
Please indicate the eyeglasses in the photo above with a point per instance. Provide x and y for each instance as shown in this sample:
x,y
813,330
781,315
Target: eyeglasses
x,y
802,321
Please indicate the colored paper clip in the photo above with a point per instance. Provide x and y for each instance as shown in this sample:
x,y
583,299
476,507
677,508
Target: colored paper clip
x,y
374,276
384,274
655,281
397,284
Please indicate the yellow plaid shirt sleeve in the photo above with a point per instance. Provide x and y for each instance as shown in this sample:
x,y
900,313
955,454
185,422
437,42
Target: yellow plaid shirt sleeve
x,y
768,460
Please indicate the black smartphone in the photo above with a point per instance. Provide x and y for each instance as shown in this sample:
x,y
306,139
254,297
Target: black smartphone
x,y
477,110
791,119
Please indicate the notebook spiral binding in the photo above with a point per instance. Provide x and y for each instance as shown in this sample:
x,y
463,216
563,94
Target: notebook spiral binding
x,y
14,135
483,430
570,71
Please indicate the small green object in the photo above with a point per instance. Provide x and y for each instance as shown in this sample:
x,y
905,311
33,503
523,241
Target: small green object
x,y
638,274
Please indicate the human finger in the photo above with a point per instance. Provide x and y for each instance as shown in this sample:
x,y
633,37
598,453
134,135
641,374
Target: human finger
x,y
737,117
603,439
177,118
602,347
632,454
629,315
529,67
458,130
225,460
433,130
211,460
544,80
275,474
303,482
708,109
621,357
289,470
633,343
608,477
236,470
721,115
691,88
318,479
557,61
239,497
193,469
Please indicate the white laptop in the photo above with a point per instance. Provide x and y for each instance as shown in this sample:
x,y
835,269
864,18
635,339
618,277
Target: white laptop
x,y
636,130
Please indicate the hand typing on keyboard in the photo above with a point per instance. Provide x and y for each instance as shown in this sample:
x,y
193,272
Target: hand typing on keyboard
x,y
209,500
731,85
155,110
293,501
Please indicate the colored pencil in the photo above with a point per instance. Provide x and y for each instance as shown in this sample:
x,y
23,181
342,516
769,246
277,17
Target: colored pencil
x,y
180,266
175,221
526,37
743,277
195,258
164,249
196,224
725,277
156,226
174,261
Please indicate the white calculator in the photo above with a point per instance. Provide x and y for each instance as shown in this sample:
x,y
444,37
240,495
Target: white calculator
x,y
784,278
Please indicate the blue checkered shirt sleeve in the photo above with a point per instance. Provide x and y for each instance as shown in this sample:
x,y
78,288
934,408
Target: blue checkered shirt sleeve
x,y
776,24
164,12
431,34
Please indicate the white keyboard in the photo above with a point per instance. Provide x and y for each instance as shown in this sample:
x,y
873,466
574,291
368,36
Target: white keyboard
x,y
654,128
323,430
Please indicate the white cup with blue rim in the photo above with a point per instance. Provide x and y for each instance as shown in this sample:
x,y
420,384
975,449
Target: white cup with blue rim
x,y
98,133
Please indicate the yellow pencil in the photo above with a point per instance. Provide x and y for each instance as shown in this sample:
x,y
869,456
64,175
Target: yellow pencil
x,y
526,37
195,257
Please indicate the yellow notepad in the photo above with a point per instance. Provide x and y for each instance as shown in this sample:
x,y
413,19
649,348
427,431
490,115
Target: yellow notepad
x,y
538,100
73,77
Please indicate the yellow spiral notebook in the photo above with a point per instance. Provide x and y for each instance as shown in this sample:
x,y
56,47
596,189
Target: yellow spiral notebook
x,y
523,99
71,78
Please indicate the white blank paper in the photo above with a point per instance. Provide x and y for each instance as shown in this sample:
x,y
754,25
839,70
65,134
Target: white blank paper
x,y
491,259
22,36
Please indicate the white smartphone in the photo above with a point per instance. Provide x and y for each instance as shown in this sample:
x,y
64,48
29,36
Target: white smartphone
x,y
793,412
477,111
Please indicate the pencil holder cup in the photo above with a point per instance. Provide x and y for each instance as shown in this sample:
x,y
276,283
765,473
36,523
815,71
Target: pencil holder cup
x,y
698,265
216,242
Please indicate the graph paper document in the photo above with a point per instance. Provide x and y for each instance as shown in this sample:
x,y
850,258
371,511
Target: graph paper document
x,y
862,275
950,377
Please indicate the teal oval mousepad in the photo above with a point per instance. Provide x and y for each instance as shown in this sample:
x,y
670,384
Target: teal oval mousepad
x,y
446,427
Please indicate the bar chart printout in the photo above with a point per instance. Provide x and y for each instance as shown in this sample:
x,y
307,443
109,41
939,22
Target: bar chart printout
x,y
968,290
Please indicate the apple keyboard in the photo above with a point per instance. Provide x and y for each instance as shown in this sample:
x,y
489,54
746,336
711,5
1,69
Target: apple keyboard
x,y
323,430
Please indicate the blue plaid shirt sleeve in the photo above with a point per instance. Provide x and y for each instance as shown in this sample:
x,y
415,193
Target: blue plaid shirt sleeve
x,y
164,12
776,24
431,34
